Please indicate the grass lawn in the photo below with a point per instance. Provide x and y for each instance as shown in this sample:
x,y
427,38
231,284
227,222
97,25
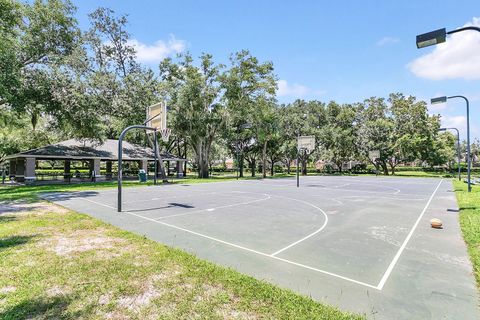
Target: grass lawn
x,y
469,204
56,263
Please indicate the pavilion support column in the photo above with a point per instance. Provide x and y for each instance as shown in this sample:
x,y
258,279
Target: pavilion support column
x,y
143,165
179,169
30,176
95,168
12,168
20,170
67,165
109,169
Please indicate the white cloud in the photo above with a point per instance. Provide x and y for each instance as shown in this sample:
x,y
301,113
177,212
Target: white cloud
x,y
296,90
387,40
458,57
285,89
159,50
436,108
459,122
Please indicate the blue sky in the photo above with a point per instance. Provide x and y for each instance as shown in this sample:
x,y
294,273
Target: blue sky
x,y
345,51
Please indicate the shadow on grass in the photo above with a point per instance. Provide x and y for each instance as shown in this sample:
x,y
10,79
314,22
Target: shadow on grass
x,y
43,308
470,208
5,219
14,241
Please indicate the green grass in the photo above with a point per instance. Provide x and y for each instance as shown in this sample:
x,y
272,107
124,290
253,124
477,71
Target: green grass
x,y
422,174
469,204
61,264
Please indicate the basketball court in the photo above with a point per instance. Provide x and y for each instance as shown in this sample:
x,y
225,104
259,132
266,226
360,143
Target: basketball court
x,y
363,244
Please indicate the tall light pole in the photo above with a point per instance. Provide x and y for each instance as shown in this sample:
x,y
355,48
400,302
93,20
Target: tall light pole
x,y
439,36
458,149
443,100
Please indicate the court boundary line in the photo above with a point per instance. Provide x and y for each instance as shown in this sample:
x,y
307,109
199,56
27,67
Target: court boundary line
x,y
392,264
254,251
380,285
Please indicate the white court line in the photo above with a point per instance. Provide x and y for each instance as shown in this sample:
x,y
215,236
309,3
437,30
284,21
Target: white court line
x,y
380,197
405,242
215,208
100,204
169,197
308,236
254,251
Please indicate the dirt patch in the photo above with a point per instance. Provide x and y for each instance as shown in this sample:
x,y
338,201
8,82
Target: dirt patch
x,y
56,291
79,241
21,207
137,301
8,289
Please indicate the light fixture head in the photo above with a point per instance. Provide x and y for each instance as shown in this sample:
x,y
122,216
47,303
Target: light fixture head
x,y
438,100
431,38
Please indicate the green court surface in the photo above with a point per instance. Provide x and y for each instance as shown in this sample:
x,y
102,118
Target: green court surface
x,y
363,244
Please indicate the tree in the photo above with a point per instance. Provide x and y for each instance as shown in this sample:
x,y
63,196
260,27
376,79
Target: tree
x,y
338,138
265,127
34,37
245,84
443,150
401,130
193,92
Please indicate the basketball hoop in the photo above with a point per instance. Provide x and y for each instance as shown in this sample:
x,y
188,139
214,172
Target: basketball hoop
x,y
306,143
165,133
373,155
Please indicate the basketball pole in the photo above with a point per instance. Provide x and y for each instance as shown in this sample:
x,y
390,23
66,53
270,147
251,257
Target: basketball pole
x,y
155,148
120,162
298,176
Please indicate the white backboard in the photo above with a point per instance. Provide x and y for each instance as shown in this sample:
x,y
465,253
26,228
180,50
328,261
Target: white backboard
x,y
158,114
374,154
306,142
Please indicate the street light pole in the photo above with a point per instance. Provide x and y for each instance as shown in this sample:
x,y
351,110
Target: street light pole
x,y
458,149
469,161
298,159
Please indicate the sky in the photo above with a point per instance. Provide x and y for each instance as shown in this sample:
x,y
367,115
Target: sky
x,y
345,51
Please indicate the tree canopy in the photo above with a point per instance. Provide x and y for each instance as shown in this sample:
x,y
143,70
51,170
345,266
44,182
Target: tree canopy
x,y
58,81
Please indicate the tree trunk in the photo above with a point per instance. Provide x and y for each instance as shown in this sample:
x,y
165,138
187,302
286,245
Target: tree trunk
x,y
240,165
202,159
185,156
392,167
272,168
304,167
161,167
384,167
253,167
264,160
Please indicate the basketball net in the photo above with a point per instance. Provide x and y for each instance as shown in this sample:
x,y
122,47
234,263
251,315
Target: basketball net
x,y
165,133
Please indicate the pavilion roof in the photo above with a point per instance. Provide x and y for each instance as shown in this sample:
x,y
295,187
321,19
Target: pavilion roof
x,y
84,149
